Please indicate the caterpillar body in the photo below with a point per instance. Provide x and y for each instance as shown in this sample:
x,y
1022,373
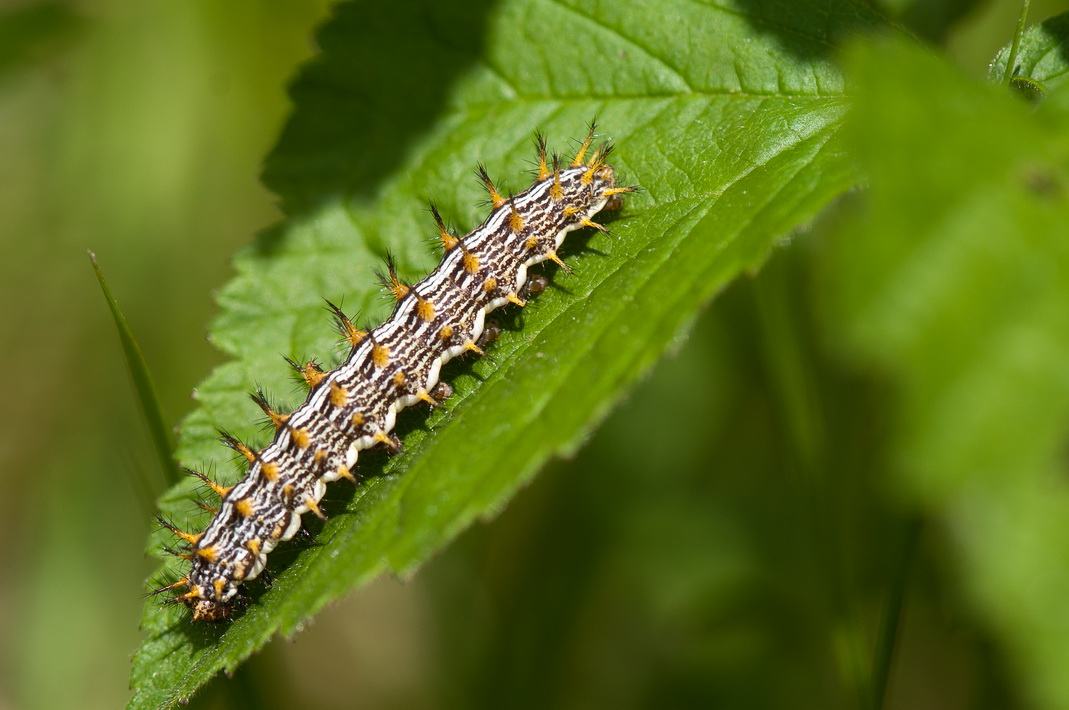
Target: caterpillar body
x,y
393,366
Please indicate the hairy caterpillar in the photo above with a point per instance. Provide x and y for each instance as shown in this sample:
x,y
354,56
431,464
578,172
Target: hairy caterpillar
x,y
390,367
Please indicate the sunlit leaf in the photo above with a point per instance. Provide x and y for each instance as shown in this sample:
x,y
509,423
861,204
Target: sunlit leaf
x,y
726,118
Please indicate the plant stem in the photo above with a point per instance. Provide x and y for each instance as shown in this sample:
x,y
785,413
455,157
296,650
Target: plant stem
x,y
1012,59
883,655
795,386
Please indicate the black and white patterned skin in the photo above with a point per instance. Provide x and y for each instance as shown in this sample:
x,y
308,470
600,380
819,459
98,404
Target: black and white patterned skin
x,y
395,365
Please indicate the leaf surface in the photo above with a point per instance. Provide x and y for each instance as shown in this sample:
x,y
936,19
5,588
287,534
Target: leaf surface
x,y
1042,56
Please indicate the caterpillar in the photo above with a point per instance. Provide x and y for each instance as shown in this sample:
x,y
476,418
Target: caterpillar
x,y
393,366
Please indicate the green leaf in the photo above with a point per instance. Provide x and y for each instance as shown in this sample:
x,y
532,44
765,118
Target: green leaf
x,y
1042,56
727,118
953,282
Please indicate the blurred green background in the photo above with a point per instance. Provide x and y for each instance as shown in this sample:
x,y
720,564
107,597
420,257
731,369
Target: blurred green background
x,y
137,130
